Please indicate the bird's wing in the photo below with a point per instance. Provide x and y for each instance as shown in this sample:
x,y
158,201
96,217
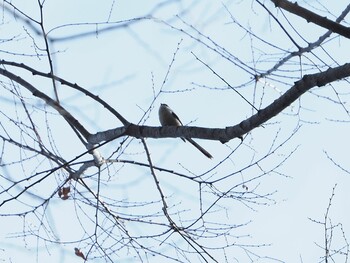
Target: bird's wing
x,y
176,117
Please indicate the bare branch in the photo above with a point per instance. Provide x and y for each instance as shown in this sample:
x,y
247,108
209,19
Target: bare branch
x,y
312,17
65,114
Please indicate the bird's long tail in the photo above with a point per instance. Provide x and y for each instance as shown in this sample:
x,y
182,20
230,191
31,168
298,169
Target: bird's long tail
x,y
199,148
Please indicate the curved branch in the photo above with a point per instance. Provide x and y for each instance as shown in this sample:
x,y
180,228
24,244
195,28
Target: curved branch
x,y
62,111
69,84
312,17
309,48
231,132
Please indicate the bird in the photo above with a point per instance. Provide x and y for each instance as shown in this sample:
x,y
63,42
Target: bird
x,y
167,117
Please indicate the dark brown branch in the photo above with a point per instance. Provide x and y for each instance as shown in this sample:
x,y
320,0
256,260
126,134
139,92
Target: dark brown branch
x,y
62,111
312,17
309,48
299,88
228,133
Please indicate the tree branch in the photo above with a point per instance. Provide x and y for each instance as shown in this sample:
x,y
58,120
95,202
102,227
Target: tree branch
x,y
69,84
231,132
312,17
64,113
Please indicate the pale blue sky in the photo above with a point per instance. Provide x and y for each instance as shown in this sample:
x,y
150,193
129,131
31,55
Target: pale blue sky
x,y
124,65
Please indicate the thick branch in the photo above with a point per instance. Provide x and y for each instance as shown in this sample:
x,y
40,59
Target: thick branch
x,y
313,17
64,113
299,88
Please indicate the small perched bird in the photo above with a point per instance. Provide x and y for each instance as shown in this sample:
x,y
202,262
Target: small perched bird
x,y
168,118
